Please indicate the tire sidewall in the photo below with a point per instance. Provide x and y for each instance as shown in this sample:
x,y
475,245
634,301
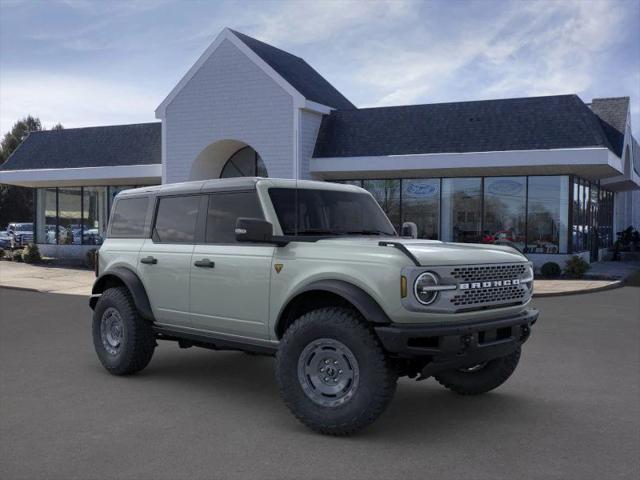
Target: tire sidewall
x,y
112,362
371,367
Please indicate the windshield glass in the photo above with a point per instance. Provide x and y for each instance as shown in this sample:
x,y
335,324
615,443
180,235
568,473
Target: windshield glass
x,y
328,212
23,227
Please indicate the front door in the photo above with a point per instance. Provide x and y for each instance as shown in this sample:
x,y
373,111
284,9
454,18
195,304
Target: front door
x,y
230,280
164,263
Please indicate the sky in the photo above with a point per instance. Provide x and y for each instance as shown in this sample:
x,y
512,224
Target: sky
x,y
86,63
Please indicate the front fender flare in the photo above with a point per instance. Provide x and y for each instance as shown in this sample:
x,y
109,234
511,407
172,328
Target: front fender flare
x,y
361,300
133,283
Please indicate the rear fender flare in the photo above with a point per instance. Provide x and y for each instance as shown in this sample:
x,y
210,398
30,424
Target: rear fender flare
x,y
133,283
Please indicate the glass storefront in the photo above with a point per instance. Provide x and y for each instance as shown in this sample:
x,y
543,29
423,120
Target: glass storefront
x,y
535,214
69,216
74,215
461,209
505,200
387,193
421,205
547,214
46,215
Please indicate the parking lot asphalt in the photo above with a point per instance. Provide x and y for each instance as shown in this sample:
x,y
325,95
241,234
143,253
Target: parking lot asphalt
x,y
571,410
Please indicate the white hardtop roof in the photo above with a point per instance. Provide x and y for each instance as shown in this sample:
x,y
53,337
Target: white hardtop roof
x,y
237,183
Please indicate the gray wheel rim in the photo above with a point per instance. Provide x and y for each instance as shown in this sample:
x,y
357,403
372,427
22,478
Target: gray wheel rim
x,y
111,330
328,372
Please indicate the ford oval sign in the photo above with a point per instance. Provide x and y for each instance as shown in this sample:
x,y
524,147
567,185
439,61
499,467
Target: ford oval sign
x,y
505,187
419,189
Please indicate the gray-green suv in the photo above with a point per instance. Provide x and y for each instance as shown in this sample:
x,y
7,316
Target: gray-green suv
x,y
315,274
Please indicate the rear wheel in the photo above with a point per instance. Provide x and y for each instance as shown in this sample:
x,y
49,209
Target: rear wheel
x,y
123,340
332,372
481,378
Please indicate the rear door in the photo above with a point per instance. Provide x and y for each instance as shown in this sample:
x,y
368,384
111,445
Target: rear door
x,y
230,280
164,263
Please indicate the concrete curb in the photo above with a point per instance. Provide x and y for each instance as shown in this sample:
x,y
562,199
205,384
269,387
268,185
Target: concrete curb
x,y
26,289
29,289
611,286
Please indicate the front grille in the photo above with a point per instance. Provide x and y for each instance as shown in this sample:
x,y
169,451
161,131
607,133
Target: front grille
x,y
513,293
480,273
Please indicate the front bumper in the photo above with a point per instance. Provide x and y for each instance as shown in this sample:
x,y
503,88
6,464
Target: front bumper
x,y
451,346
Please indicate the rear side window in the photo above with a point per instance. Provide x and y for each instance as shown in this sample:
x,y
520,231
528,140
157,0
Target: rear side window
x,y
224,210
176,219
129,217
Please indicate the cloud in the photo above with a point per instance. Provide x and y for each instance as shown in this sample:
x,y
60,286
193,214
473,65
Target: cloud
x,y
535,48
73,101
296,22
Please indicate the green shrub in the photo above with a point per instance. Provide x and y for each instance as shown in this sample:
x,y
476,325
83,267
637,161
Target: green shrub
x,y
31,254
90,258
1,253
16,256
551,269
576,267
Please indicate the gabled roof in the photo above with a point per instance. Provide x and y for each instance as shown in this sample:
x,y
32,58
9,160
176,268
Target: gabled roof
x,y
612,113
298,73
110,146
292,73
534,123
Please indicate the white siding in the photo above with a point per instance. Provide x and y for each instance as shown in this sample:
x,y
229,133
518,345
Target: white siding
x,y
309,126
229,97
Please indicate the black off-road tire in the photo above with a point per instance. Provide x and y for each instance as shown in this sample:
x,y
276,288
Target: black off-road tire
x,y
137,342
490,376
376,376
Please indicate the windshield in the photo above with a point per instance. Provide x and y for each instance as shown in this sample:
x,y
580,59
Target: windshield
x,y
23,227
328,212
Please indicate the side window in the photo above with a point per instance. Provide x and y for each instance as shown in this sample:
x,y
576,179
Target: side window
x,y
176,219
224,210
129,216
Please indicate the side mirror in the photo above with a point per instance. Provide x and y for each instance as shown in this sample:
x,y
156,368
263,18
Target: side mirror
x,y
409,229
254,230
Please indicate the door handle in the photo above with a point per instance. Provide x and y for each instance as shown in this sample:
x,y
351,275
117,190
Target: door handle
x,y
149,260
205,263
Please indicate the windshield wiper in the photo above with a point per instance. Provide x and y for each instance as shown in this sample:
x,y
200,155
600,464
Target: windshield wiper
x,y
318,231
369,232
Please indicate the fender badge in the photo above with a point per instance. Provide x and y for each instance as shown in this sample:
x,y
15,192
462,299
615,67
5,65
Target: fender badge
x,y
278,267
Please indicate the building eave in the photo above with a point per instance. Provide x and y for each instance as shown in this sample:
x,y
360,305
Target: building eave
x,y
83,176
592,163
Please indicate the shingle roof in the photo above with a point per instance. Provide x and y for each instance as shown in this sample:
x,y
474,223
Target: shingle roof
x,y
612,113
109,146
298,73
532,123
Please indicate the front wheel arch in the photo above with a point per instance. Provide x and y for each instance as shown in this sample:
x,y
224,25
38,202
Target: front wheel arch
x,y
329,293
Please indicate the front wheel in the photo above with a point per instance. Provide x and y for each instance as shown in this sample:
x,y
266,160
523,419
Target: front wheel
x,y
480,378
332,372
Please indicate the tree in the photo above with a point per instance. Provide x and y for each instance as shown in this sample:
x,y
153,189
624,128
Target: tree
x,y
18,133
16,203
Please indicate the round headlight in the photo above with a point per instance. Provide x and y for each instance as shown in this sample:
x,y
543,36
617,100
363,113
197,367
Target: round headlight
x,y
422,288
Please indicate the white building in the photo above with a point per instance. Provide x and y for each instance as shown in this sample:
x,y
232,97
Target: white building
x,y
552,175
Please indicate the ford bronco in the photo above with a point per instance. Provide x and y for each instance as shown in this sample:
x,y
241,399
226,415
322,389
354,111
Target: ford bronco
x,y
315,274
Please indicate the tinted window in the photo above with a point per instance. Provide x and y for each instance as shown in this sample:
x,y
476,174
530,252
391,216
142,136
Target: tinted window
x,y
224,210
176,219
328,212
128,217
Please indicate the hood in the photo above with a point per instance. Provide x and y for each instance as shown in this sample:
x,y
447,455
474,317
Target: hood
x,y
433,252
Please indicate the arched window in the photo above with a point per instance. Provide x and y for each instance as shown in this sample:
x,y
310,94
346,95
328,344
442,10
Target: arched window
x,y
244,163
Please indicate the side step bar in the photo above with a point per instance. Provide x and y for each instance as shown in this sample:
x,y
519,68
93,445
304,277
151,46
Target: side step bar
x,y
217,342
